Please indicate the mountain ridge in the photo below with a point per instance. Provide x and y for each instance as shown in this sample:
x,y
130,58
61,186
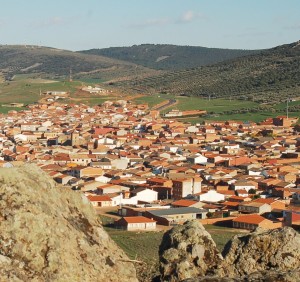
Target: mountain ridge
x,y
170,57
257,76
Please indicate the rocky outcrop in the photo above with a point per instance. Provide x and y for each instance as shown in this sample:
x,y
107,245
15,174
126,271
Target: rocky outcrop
x,y
187,251
264,276
277,250
48,233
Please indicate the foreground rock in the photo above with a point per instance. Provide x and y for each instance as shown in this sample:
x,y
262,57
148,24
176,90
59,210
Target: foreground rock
x,y
187,251
277,250
52,234
264,276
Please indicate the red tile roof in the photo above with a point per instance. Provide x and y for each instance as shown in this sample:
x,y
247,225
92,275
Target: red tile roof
x,y
137,219
184,203
99,198
251,219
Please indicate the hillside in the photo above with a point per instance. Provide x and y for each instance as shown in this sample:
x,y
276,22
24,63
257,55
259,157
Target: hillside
x,y
260,77
56,63
170,57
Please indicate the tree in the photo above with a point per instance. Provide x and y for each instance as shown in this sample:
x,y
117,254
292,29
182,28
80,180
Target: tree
x,y
252,191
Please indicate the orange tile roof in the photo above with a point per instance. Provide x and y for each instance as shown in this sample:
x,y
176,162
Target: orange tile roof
x,y
98,198
137,219
231,204
251,219
184,203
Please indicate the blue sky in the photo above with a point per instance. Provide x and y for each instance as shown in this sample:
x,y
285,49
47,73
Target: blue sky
x,y
86,24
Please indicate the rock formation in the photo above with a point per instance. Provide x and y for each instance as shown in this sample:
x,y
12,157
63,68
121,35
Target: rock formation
x,y
261,250
187,251
264,276
48,233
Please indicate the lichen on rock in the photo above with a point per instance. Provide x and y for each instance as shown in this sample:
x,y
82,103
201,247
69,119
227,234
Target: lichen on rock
x,y
187,251
50,233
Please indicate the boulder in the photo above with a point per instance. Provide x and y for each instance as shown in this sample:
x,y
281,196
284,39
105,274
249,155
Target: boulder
x,y
275,250
187,251
263,276
50,233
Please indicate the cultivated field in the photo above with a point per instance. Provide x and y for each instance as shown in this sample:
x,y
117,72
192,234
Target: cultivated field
x,y
25,89
143,246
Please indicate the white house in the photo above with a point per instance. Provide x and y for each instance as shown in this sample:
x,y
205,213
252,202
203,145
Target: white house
x,y
211,196
102,179
244,185
136,223
197,159
145,195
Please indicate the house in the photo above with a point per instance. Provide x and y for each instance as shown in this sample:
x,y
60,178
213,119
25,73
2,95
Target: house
x,y
254,207
185,203
292,218
132,223
144,194
252,221
245,185
275,203
175,215
100,200
186,186
197,159
211,196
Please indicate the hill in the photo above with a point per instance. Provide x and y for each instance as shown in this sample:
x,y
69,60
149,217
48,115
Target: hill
x,y
170,57
261,77
56,64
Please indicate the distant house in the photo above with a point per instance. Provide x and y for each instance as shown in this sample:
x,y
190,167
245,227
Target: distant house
x,y
197,159
252,221
144,194
211,196
176,215
131,223
254,207
100,200
185,203
186,186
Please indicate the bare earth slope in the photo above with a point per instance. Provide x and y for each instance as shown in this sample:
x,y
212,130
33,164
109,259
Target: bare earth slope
x,y
48,233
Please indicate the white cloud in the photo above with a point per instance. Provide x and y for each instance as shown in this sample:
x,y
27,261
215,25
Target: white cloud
x,y
189,16
186,17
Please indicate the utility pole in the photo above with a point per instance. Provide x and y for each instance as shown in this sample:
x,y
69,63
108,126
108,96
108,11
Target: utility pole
x,y
70,76
287,108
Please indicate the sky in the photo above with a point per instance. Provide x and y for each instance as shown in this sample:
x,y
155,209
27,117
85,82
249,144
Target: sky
x,y
86,24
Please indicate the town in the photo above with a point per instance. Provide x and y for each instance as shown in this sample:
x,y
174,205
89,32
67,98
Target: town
x,y
159,171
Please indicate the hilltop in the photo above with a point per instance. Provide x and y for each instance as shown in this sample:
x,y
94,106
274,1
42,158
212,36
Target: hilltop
x,y
54,63
260,76
170,57
270,75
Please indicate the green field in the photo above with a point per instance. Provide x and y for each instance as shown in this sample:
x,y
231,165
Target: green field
x,y
222,109
152,100
215,105
26,90
143,246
